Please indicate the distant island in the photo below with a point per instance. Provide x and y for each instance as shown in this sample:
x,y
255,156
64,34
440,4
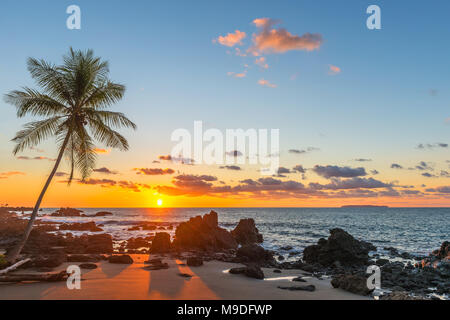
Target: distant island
x,y
363,206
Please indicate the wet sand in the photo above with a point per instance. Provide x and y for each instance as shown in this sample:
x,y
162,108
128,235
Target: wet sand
x,y
118,281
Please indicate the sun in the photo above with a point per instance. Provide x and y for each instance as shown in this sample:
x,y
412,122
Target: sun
x,y
159,202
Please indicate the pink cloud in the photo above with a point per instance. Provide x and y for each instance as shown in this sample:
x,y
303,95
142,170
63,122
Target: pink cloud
x,y
231,39
270,40
266,83
261,61
334,70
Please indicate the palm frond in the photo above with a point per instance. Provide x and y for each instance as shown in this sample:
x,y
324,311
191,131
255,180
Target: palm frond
x,y
105,95
35,103
84,155
106,135
110,118
35,132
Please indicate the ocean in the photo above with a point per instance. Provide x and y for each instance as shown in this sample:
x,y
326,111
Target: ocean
x,y
414,230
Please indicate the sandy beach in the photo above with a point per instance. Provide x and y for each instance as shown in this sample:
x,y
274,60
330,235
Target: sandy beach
x,y
210,281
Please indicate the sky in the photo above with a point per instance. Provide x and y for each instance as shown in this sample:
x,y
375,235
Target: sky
x,y
363,115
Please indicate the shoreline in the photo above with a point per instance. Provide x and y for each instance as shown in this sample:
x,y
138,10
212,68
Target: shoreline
x,y
209,282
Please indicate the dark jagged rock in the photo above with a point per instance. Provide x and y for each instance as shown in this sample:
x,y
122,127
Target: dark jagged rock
x,y
254,253
194,262
139,242
309,288
121,259
352,283
161,243
246,232
86,226
299,279
203,233
399,295
251,271
156,264
341,247
67,212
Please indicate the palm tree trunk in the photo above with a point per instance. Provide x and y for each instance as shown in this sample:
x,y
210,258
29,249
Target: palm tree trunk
x,y
14,252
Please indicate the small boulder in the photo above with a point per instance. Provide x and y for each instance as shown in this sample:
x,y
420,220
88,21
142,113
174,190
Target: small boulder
x,y
309,288
254,253
121,259
352,283
88,266
251,271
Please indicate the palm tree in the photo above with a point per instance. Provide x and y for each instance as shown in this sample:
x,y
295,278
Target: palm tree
x,y
73,103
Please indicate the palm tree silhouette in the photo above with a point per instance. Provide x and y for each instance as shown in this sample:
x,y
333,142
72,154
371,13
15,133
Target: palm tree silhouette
x,y
73,101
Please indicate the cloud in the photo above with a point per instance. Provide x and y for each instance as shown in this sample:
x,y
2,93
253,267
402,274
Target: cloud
x,y
231,167
177,159
442,189
101,182
374,172
261,61
5,175
101,151
362,160
231,39
154,171
432,145
35,158
352,183
396,166
303,151
423,166
299,168
266,83
105,170
108,183
238,75
336,171
61,174
333,70
270,40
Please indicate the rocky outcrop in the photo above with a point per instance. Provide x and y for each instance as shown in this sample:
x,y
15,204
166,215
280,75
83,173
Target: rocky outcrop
x,y
86,226
352,283
161,243
251,271
253,253
67,212
340,247
203,233
246,232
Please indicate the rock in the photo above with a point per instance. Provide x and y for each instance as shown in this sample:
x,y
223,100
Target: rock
x,y
277,271
286,248
381,262
67,212
299,279
352,283
161,243
157,266
102,214
120,259
153,261
341,247
99,243
185,275
194,261
297,288
254,253
49,261
139,242
203,233
88,266
280,258
398,295
251,271
87,226
246,232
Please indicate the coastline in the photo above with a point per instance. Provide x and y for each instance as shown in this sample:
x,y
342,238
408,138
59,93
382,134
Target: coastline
x,y
209,282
